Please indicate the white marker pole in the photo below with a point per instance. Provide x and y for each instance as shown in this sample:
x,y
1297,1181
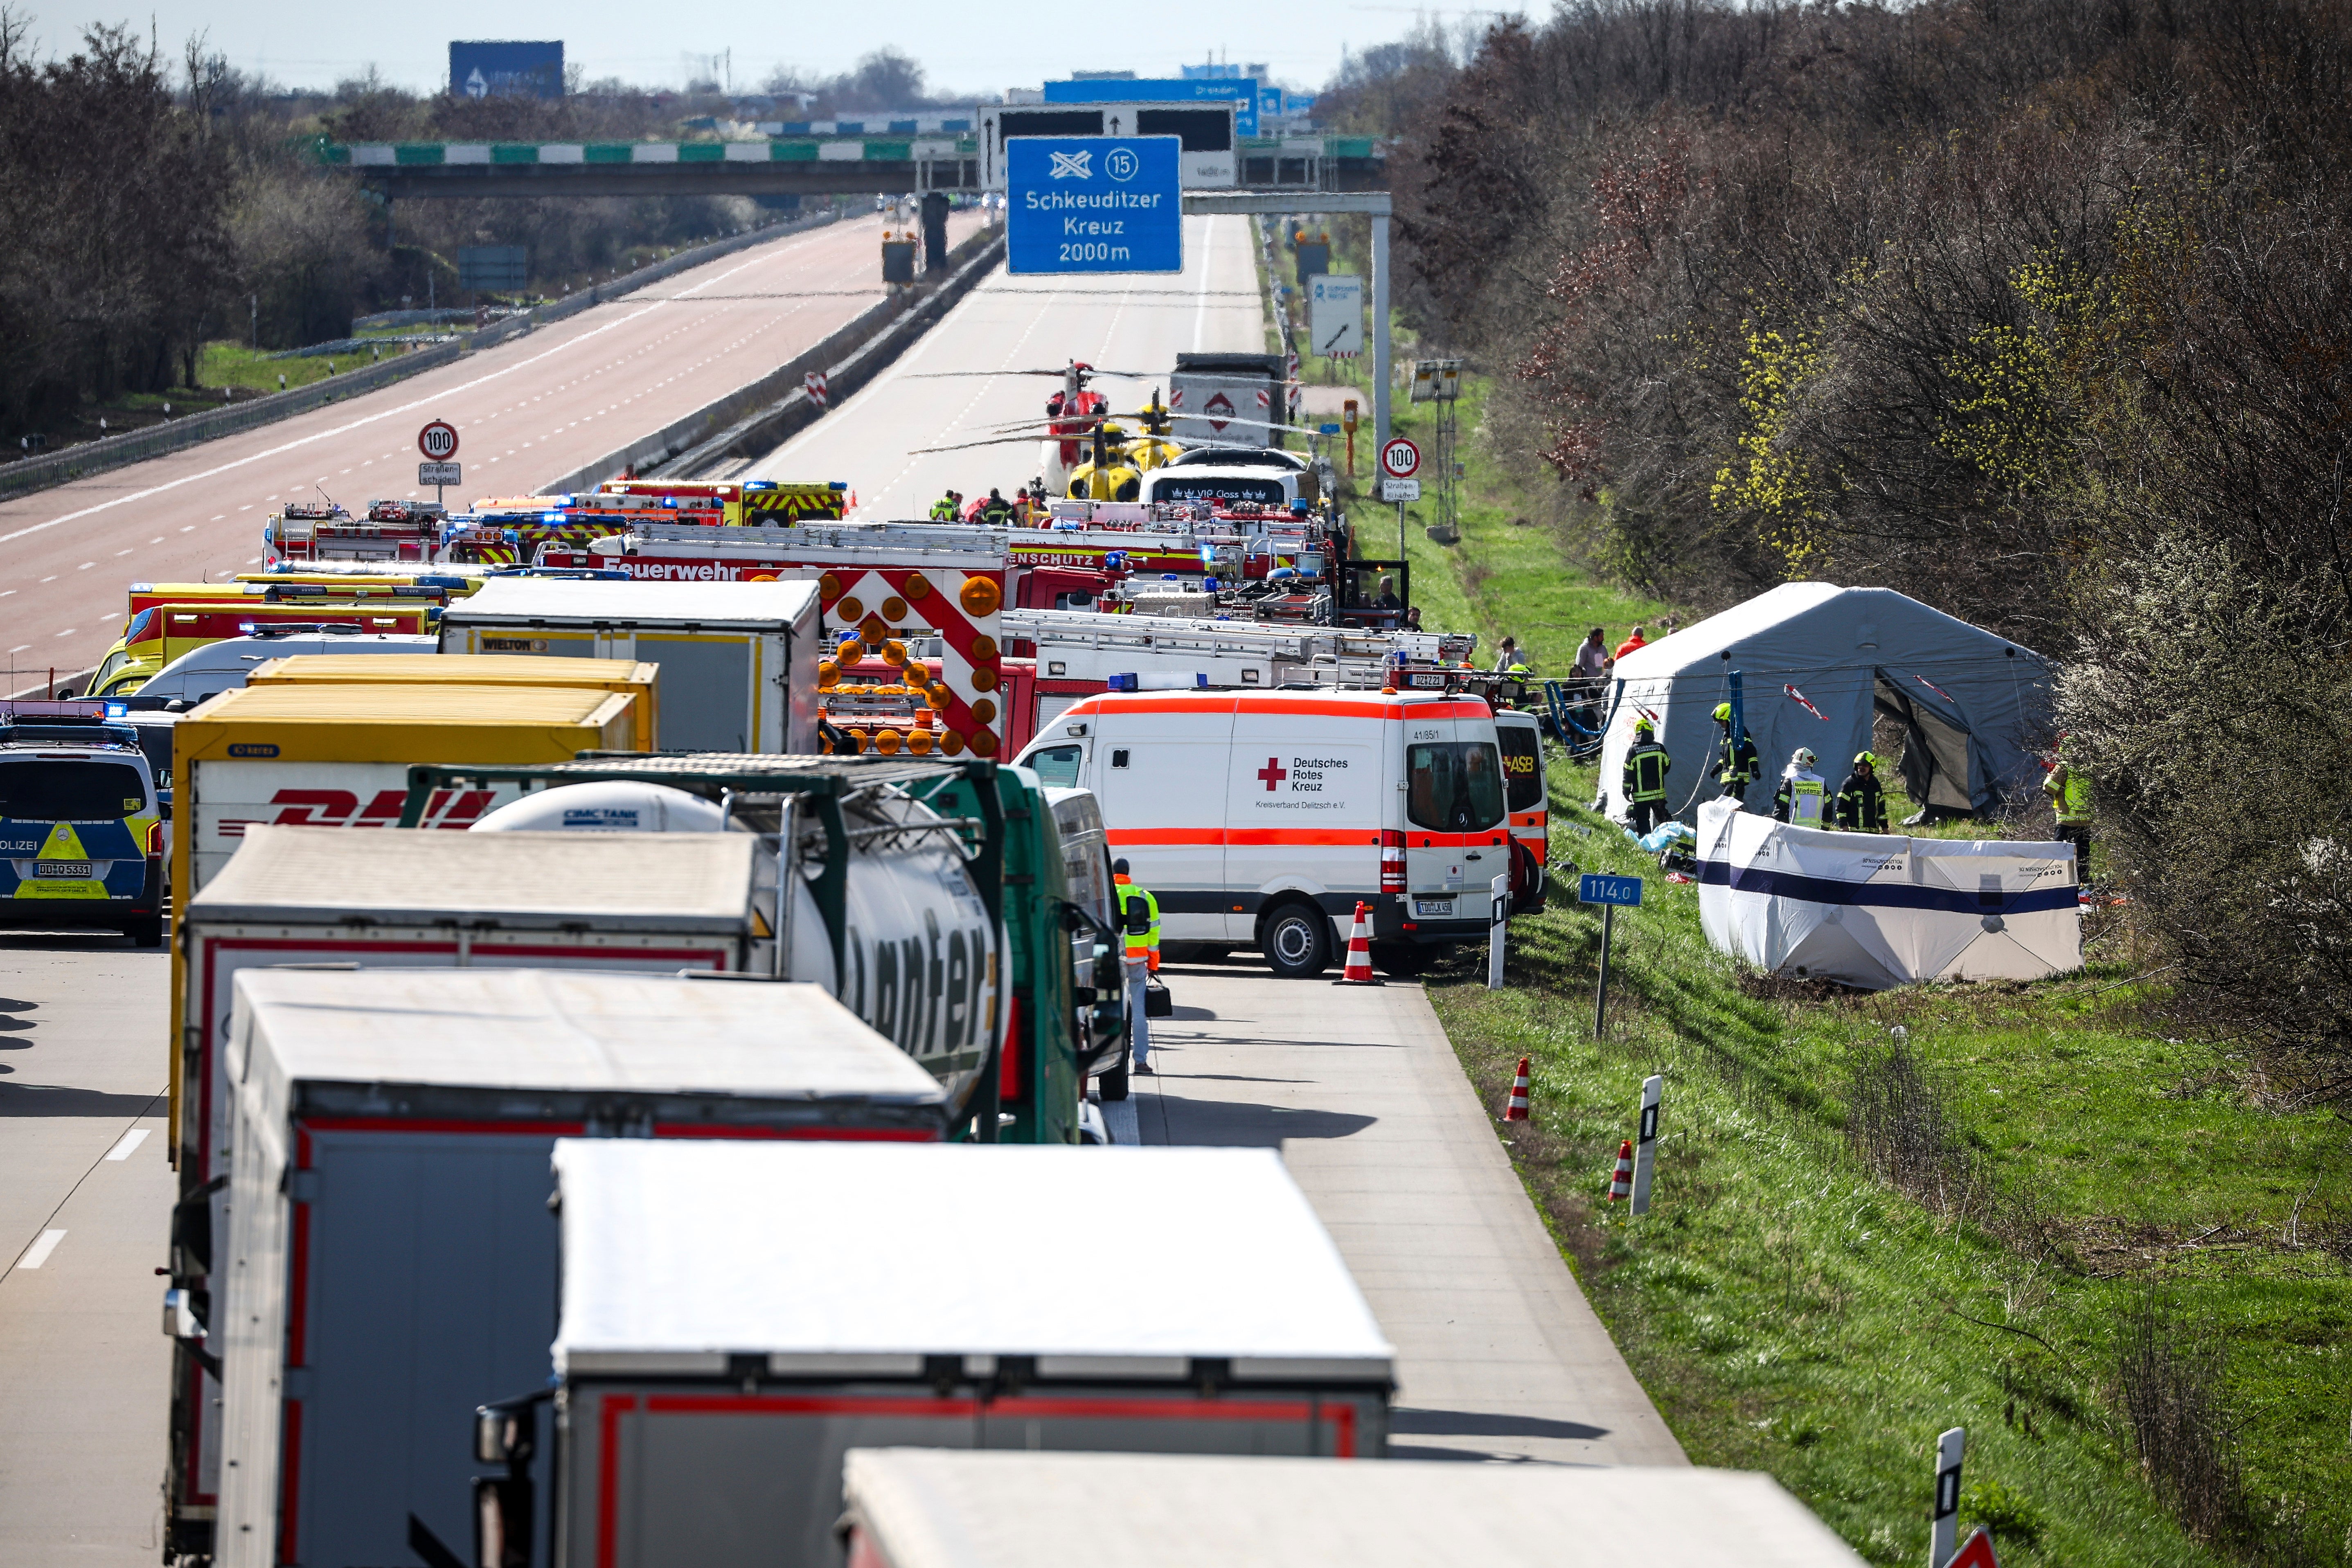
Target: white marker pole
x,y
1646,1145
1943,1541
1498,912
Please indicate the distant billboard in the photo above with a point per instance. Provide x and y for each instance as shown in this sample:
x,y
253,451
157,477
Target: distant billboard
x,y
505,66
1242,92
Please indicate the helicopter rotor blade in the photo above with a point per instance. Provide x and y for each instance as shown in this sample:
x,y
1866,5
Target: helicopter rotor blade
x,y
1057,374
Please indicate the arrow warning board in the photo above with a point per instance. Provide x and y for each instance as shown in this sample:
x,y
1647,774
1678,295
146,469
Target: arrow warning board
x,y
1093,204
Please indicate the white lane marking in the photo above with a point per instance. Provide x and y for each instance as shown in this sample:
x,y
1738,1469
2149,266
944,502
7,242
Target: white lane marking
x,y
20,647
38,1253
129,1141
85,565
618,320
69,631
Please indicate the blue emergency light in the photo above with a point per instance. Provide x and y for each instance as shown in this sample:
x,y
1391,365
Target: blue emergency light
x,y
116,710
1123,683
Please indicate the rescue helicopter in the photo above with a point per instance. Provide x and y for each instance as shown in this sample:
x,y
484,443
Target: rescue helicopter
x,y
1071,414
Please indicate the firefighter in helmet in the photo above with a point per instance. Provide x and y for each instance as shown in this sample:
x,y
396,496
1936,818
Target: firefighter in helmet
x,y
1646,765
1740,766
1861,803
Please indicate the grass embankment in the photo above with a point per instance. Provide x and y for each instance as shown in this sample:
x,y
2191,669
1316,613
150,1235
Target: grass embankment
x,y
2035,1212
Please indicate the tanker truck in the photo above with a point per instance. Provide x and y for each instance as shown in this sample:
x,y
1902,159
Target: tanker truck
x,y
929,895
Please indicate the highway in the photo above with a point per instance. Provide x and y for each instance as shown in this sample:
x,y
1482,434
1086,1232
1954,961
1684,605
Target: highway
x,y
1499,1356
1008,323
527,411
85,1191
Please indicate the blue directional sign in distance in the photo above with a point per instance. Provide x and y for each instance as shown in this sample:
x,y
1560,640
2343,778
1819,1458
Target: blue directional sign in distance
x,y
1093,204
1597,889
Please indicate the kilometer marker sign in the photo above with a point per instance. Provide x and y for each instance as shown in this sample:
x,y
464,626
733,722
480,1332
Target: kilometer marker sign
x,y
438,440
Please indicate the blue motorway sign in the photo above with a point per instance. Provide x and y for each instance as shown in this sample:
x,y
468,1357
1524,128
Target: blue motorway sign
x,y
1093,204
1592,889
1241,91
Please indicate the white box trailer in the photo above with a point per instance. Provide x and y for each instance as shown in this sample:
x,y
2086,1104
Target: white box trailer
x,y
726,1339
391,1262
419,899
909,1508
738,658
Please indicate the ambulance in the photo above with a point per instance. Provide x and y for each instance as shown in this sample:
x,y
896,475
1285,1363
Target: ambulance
x,y
1263,818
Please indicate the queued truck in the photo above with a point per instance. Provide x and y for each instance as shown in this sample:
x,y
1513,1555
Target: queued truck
x,y
737,660
332,758
424,666
931,1507
388,1263
936,898
723,1340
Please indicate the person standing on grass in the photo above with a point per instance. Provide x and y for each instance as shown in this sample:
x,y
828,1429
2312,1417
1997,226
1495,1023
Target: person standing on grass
x,y
1861,803
1798,801
2070,797
1740,766
1630,643
1507,653
1592,659
1646,765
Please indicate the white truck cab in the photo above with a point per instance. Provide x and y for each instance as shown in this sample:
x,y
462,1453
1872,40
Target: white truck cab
x,y
1263,818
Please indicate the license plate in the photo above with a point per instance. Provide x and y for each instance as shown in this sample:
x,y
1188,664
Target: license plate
x,y
72,870
1436,907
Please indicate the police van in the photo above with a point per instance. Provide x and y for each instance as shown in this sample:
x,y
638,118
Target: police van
x,y
81,840
1263,818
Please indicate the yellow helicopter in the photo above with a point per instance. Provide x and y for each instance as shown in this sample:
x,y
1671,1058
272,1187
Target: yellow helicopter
x,y
1118,461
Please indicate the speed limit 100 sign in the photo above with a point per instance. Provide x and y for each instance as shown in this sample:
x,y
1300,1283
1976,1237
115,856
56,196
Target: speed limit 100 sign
x,y
438,440
1399,459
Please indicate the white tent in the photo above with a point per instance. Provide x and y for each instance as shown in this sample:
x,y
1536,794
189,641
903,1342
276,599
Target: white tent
x,y
1877,910
1815,662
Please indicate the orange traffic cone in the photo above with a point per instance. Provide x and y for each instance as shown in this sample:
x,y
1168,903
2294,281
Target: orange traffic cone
x,y
1621,1185
1359,971
1516,1109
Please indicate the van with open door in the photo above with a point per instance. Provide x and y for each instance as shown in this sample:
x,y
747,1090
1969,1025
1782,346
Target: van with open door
x,y
1263,818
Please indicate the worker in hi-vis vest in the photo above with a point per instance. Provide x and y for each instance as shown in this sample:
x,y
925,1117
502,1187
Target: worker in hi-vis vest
x,y
1739,764
2069,789
1142,959
1798,801
1646,765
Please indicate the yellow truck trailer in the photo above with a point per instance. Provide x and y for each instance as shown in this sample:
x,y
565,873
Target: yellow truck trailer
x,y
626,675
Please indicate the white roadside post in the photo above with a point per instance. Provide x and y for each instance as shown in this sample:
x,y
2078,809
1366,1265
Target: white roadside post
x,y
1498,914
1943,1539
1645,1142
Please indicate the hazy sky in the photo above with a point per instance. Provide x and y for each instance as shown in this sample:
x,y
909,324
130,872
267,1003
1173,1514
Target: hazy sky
x,y
969,46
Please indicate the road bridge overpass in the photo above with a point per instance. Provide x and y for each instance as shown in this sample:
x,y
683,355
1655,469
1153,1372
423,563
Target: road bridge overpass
x,y
809,165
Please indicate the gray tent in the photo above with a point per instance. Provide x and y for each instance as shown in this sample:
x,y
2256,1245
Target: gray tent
x,y
1815,663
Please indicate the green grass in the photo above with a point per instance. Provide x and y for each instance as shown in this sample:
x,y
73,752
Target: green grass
x,y
1789,1311
225,363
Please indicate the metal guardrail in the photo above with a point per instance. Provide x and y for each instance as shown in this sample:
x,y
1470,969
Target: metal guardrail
x,y
29,475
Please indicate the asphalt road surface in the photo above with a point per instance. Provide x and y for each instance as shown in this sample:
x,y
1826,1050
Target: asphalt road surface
x,y
955,384
85,1216
527,411
1498,1355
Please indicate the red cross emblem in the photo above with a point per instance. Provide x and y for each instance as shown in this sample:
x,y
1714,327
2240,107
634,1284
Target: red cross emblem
x,y
1274,772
